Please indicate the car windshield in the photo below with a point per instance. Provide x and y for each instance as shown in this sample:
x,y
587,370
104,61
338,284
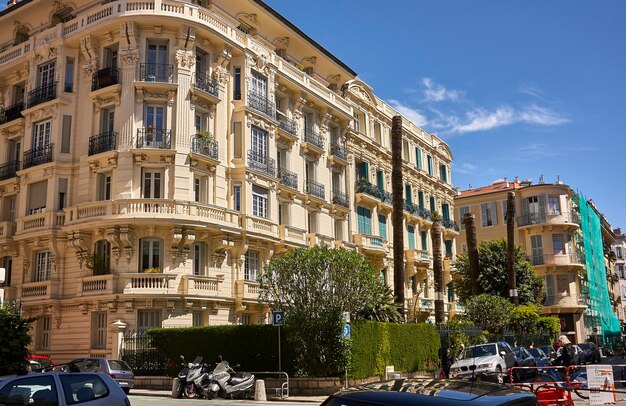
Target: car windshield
x,y
536,352
479,351
117,365
518,352
584,346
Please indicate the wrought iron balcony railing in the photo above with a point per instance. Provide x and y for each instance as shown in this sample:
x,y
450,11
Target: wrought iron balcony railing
x,y
288,178
386,197
447,223
364,186
154,138
206,84
417,210
204,147
11,113
261,162
339,151
105,77
340,198
103,142
9,169
314,138
38,156
42,94
315,189
262,104
156,72
287,125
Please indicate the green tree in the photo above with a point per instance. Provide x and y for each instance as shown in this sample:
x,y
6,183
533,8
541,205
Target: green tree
x,y
384,308
314,286
14,340
493,313
492,257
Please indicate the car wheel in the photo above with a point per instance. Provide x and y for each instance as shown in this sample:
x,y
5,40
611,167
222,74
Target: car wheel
x,y
499,376
126,390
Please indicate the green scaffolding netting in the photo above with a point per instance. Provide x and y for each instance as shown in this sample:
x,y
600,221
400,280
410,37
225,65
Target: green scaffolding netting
x,y
599,313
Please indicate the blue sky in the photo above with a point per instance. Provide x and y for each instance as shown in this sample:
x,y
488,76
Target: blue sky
x,y
524,88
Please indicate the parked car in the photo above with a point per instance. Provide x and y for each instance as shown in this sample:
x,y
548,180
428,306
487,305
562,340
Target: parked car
x,y
40,362
490,361
116,369
548,350
591,352
579,355
432,392
541,358
62,389
524,359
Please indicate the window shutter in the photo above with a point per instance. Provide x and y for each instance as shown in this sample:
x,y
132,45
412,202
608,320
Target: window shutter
x,y
494,213
483,214
38,194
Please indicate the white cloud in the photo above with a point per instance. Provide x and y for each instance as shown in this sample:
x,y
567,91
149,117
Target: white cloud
x,y
531,90
412,114
481,119
534,114
465,168
438,93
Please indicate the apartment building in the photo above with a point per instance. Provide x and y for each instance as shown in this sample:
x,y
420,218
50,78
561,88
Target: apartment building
x,y
560,246
156,153
619,250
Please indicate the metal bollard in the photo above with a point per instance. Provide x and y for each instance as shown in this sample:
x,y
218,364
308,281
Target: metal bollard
x,y
259,391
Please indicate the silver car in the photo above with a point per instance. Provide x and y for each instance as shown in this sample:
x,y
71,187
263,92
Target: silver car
x,y
491,361
116,369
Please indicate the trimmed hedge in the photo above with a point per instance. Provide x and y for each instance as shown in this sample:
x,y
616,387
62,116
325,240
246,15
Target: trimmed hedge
x,y
255,347
408,347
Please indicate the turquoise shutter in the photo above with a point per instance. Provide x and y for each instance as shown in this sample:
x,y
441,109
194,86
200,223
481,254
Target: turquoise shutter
x,y
424,236
420,197
445,208
448,244
411,231
380,180
433,207
368,221
407,193
382,226
418,154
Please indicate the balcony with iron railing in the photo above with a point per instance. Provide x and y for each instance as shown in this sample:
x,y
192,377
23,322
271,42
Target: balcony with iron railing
x,y
206,84
11,113
287,125
104,78
261,162
313,138
38,156
42,94
363,186
288,178
205,147
156,72
339,151
103,142
417,210
450,224
340,199
157,138
260,102
9,169
316,189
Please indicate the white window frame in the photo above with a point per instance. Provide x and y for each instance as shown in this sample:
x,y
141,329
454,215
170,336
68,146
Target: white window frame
x,y
41,133
149,245
104,182
46,73
260,203
259,142
258,83
554,210
251,265
152,178
563,242
201,189
148,318
488,214
43,266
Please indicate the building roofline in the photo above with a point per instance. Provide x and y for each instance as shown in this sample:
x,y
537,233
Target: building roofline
x,y
14,7
298,31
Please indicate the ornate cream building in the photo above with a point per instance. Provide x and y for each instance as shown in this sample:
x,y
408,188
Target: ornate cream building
x,y
156,153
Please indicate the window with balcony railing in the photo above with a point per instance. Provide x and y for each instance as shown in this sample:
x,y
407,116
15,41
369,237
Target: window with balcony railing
x,y
42,94
205,83
260,103
9,170
287,125
11,113
314,138
154,138
341,198
104,78
37,156
261,162
288,178
205,147
339,151
315,189
156,72
103,142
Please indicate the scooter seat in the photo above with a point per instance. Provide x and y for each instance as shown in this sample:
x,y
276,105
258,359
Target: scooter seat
x,y
240,377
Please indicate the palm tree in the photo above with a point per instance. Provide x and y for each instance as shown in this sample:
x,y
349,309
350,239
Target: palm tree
x,y
472,252
510,248
398,213
435,235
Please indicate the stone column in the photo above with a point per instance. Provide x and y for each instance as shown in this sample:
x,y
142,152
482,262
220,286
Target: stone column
x,y
117,329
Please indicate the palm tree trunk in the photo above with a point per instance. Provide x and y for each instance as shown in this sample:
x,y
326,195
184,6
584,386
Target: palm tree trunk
x,y
472,252
510,247
398,214
435,234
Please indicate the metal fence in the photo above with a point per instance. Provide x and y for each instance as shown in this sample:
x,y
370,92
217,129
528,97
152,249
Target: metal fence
x,y
141,355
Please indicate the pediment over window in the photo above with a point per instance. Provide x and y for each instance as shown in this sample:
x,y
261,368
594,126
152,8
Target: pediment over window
x,y
359,91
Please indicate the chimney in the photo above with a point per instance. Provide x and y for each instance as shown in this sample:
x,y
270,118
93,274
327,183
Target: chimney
x,y
11,3
506,182
558,180
541,181
516,179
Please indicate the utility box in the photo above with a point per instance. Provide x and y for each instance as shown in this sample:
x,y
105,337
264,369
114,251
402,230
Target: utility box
x,y
389,372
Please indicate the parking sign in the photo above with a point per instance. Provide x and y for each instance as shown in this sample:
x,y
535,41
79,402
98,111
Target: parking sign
x,y
346,332
278,318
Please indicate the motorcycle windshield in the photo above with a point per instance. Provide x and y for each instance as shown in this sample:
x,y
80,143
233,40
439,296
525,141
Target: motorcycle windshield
x,y
198,360
221,368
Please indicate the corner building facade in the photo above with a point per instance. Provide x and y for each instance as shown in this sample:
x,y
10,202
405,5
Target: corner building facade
x,y
155,154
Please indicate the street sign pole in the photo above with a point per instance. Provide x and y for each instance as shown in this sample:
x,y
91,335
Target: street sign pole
x,y
2,277
278,319
279,360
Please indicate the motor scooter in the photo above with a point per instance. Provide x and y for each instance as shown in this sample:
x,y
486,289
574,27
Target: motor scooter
x,y
194,380
227,383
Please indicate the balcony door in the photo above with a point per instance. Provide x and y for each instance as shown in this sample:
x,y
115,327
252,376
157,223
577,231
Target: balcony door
x,y
41,134
155,123
45,74
14,150
536,249
258,85
259,144
107,120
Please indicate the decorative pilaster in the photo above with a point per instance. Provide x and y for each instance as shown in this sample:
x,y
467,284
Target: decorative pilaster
x,y
129,58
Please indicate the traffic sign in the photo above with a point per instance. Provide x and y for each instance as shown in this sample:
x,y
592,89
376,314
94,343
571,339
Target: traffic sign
x,y
346,332
278,318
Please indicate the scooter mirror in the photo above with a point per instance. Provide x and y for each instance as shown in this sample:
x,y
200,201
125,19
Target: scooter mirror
x,y
182,359
219,358
237,366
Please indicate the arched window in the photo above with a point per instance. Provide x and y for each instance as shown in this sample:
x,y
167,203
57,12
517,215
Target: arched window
x,y
151,254
21,36
62,16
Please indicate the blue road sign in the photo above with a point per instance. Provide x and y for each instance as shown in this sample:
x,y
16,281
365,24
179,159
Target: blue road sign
x,y
278,318
346,331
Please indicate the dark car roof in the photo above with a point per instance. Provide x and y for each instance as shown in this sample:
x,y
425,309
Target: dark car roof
x,y
434,392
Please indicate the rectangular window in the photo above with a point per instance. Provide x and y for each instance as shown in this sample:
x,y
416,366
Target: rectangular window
x,y
110,57
418,156
155,117
107,120
362,171
488,214
197,319
41,134
150,254
411,234
147,319
433,205
99,330
426,293
104,186
237,83
430,165
152,184
69,75
62,194
554,205
46,74
37,196
408,194
364,220
246,319
618,252
338,230
421,199
357,122
536,249
258,84
42,266
259,201
445,211
382,226
549,280
448,245
424,238
8,208
200,189
251,267
505,205
558,244
443,173
462,211
66,134
45,329
380,180
199,258
259,143
7,264
237,197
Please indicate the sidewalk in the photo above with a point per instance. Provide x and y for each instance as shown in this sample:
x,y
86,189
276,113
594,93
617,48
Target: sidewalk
x,y
167,394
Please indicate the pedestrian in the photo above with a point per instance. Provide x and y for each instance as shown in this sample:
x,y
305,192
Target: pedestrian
x,y
567,352
461,349
532,345
446,362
